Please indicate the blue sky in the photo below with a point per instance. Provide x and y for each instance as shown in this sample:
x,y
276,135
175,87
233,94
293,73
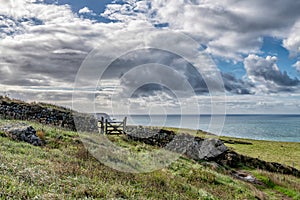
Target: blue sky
x,y
273,46
254,47
270,47
95,5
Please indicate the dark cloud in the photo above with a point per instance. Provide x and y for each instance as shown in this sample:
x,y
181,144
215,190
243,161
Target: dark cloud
x,y
179,71
150,90
236,86
265,72
156,65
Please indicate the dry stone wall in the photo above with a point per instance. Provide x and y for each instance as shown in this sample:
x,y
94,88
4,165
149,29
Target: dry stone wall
x,y
11,109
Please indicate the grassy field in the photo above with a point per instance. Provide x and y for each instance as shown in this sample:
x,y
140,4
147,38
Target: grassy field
x,y
63,169
287,153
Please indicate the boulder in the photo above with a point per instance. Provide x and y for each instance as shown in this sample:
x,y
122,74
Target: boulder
x,y
193,147
206,149
22,132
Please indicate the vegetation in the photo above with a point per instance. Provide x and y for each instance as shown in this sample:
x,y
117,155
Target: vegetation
x,y
63,169
287,153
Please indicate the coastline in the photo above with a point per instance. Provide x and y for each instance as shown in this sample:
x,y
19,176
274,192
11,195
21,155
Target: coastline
x,y
284,128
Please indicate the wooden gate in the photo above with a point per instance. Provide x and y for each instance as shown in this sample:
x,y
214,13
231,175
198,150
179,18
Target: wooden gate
x,y
112,127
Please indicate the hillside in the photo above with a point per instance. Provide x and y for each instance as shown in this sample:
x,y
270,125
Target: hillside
x,y
62,168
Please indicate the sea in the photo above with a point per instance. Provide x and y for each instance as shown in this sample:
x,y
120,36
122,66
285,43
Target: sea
x,y
285,128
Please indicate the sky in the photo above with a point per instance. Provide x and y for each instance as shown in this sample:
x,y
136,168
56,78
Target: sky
x,y
159,56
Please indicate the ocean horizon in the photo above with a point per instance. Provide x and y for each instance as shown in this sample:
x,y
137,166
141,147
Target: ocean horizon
x,y
271,127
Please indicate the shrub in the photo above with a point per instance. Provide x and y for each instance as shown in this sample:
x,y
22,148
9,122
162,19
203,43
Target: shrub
x,y
41,134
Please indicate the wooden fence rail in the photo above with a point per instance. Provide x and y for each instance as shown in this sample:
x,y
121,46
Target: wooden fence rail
x,y
112,127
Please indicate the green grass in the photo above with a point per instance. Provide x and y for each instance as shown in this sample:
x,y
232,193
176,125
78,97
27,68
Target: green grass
x,y
287,153
63,169
287,185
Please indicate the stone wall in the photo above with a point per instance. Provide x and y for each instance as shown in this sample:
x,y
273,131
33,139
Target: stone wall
x,y
46,114
22,132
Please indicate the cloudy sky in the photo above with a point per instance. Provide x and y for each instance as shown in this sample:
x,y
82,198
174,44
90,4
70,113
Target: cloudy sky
x,y
244,55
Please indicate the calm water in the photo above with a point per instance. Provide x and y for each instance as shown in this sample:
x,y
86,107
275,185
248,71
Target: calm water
x,y
259,127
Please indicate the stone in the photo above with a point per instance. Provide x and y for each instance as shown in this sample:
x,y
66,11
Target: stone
x,y
155,137
22,132
207,149
247,177
193,147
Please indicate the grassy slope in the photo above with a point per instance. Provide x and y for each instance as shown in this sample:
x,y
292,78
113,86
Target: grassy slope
x,y
64,170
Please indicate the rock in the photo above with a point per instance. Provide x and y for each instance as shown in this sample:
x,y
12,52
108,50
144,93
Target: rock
x,y
246,176
155,137
22,132
207,149
193,147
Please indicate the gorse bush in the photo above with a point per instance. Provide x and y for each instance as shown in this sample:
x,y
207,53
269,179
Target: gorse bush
x,y
41,134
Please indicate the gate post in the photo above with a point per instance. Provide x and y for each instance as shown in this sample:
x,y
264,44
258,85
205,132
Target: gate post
x,y
124,125
105,126
102,125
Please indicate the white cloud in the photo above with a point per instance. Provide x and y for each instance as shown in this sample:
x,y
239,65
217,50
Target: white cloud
x,y
68,51
265,74
50,52
86,10
230,29
292,42
297,66
132,10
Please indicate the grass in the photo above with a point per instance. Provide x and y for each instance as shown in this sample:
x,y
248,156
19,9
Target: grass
x,y
287,153
287,185
63,169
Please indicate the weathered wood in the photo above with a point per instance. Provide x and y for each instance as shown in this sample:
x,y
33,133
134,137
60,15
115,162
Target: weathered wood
x,y
113,127
124,125
106,126
102,125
